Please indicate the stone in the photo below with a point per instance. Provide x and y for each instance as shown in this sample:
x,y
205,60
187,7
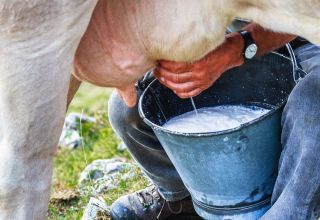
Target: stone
x,y
70,136
96,209
73,119
104,174
122,147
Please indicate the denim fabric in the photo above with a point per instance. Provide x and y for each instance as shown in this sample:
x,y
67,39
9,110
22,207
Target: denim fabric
x,y
296,194
145,148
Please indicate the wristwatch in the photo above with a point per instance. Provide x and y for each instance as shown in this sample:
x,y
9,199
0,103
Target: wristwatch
x,y
250,46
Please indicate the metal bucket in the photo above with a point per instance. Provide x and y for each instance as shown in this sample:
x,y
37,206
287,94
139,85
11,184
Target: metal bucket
x,y
229,174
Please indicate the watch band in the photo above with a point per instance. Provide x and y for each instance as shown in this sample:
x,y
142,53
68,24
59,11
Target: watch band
x,y
248,40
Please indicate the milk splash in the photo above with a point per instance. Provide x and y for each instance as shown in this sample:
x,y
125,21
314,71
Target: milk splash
x,y
214,119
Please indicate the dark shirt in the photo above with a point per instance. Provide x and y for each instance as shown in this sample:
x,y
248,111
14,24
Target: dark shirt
x,y
298,42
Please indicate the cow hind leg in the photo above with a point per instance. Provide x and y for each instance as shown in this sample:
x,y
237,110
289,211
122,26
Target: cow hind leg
x,y
37,46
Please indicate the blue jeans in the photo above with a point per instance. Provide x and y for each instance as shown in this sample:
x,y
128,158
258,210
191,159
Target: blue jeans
x,y
297,190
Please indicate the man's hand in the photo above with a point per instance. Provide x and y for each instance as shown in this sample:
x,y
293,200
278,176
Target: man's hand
x,y
190,79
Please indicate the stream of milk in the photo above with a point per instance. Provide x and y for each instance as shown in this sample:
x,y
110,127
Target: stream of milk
x,y
214,119
194,106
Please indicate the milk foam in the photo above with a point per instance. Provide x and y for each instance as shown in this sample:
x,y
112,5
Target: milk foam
x,y
214,119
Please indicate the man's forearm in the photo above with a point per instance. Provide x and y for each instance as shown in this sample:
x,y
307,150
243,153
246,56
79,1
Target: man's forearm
x,y
267,40
190,79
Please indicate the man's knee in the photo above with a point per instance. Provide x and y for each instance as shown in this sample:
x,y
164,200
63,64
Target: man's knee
x,y
304,98
302,109
121,116
301,114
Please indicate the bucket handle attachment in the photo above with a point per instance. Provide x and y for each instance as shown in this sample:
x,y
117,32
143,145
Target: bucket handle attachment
x,y
297,72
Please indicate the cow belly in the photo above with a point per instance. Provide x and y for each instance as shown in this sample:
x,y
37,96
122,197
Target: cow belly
x,y
106,72
126,38
300,18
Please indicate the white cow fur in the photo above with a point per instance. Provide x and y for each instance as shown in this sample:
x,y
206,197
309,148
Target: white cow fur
x,y
38,40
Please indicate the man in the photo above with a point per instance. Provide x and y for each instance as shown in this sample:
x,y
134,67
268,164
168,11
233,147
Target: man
x,y
297,190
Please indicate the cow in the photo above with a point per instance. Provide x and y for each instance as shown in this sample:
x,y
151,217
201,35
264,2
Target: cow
x,y
109,43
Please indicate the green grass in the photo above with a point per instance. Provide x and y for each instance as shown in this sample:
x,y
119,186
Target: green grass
x,y
100,142
90,99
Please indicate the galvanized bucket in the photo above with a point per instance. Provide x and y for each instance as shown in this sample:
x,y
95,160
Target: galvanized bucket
x,y
229,174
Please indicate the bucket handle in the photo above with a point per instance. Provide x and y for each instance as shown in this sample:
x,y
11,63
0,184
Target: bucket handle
x,y
297,72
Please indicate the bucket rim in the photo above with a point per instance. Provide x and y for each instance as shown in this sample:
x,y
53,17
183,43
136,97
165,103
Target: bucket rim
x,y
212,133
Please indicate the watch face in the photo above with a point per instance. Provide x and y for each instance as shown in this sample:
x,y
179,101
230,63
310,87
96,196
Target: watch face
x,y
251,51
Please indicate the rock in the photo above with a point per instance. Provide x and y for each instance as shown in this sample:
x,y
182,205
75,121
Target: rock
x,y
122,147
103,175
73,119
96,209
70,136
98,168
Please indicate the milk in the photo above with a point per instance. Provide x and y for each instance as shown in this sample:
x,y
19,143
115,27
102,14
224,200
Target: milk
x,y
214,119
